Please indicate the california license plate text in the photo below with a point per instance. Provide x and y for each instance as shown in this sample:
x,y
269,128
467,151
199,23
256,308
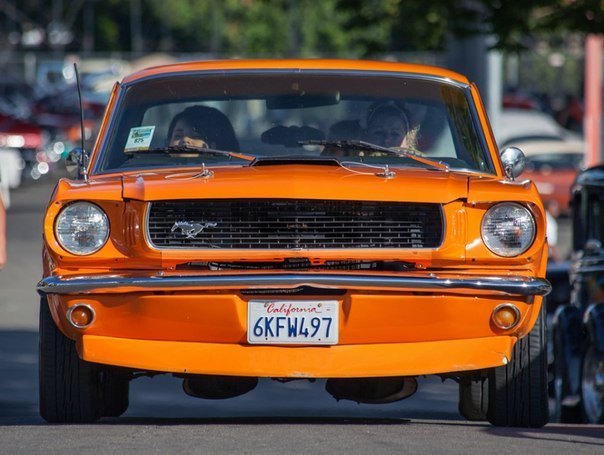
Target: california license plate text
x,y
298,322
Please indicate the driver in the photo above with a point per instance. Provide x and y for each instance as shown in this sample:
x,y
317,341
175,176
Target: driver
x,y
202,126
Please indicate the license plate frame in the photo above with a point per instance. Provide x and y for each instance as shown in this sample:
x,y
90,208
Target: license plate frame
x,y
293,322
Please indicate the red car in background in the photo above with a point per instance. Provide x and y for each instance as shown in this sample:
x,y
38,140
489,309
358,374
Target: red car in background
x,y
519,100
19,131
553,166
59,113
32,142
43,128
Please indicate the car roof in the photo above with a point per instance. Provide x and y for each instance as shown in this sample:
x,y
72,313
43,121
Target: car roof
x,y
298,64
550,146
517,125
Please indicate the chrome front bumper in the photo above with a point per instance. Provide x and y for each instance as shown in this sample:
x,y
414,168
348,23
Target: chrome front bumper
x,y
157,281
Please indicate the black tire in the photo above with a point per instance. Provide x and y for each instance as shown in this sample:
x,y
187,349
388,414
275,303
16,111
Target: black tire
x,y
592,392
518,391
69,386
567,404
474,399
115,391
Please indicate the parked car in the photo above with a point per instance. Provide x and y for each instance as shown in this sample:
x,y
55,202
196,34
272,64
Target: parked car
x,y
30,140
59,113
520,100
553,165
579,324
523,125
274,219
15,96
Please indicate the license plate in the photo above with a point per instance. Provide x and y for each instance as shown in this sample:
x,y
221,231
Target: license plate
x,y
292,322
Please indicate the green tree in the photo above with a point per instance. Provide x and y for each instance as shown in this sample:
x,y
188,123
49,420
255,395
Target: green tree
x,y
342,28
260,28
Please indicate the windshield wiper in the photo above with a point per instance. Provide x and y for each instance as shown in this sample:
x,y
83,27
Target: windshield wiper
x,y
188,149
353,144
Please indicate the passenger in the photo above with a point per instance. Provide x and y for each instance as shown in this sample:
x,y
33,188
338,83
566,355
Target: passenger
x,y
202,126
387,125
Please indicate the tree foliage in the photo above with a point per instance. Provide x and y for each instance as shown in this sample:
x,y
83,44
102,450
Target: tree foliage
x,y
307,28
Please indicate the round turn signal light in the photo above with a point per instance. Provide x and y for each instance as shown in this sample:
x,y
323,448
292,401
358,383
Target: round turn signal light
x,y
80,315
506,316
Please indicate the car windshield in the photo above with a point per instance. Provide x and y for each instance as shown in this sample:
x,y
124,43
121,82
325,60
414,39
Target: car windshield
x,y
290,114
556,161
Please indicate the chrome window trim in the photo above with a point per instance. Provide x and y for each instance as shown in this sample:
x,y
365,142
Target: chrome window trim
x,y
253,71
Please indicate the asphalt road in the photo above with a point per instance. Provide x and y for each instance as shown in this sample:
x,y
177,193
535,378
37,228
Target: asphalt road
x,y
293,417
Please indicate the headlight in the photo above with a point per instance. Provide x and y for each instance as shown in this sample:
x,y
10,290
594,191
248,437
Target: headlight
x,y
82,228
508,229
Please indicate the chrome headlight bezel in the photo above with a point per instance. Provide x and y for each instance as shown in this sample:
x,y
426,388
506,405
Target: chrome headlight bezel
x,y
516,226
86,219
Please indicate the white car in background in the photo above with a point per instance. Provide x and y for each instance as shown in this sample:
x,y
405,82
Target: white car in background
x,y
525,125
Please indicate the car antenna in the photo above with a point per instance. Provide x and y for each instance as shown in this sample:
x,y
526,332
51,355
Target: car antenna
x,y
82,130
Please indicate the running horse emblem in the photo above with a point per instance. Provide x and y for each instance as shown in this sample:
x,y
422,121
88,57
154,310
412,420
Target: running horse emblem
x,y
191,229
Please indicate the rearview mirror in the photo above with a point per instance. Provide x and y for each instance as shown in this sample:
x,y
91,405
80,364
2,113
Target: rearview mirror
x,y
302,100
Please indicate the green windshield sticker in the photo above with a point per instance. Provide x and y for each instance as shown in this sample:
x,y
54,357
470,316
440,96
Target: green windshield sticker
x,y
139,139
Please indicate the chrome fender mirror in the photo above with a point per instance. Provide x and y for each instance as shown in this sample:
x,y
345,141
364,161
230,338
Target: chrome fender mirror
x,y
513,161
76,163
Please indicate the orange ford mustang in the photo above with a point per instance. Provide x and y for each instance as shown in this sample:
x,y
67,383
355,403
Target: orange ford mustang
x,y
292,219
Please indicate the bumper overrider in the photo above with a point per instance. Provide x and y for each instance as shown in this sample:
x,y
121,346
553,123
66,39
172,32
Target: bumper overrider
x,y
390,325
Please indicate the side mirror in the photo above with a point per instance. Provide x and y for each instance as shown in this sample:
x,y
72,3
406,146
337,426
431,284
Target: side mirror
x,y
76,163
513,161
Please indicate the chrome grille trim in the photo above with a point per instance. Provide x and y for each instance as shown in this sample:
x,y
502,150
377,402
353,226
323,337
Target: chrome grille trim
x,y
294,224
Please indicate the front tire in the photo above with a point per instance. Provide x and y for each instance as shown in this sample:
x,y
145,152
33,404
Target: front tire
x,y
518,391
69,387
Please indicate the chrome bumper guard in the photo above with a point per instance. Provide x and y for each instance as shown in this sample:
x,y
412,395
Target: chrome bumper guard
x,y
118,284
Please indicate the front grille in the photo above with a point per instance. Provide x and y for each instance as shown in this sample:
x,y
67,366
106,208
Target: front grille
x,y
293,223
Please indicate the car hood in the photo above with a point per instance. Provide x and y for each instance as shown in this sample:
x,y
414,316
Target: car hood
x,y
298,181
